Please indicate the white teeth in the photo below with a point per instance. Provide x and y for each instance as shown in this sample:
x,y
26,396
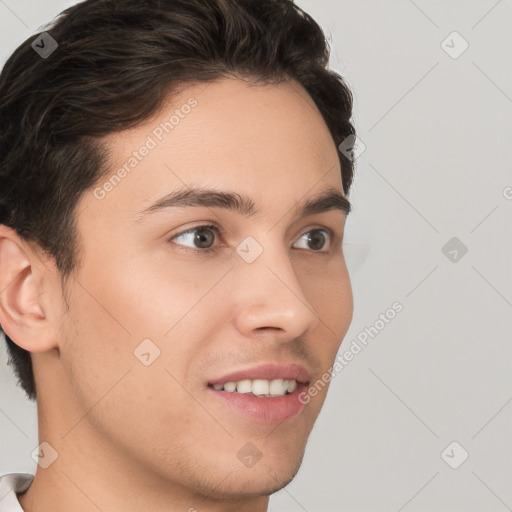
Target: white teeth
x,y
259,387
230,386
244,386
276,387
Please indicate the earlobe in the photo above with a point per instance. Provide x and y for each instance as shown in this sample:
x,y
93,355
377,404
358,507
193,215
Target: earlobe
x,y
22,316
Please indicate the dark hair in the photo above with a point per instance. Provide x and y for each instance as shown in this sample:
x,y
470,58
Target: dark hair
x,y
115,64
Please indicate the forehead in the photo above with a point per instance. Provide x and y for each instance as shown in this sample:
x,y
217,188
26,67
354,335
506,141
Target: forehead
x,y
265,140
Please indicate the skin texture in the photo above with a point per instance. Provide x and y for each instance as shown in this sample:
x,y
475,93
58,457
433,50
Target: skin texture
x,y
131,436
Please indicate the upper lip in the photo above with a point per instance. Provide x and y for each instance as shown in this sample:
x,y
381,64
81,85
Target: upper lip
x,y
267,372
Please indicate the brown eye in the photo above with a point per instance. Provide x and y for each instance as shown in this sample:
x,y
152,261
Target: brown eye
x,y
200,238
203,238
315,239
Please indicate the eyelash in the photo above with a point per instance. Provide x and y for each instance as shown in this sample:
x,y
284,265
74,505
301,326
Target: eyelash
x,y
220,232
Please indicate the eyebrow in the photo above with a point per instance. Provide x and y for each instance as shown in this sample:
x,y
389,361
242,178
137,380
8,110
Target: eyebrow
x,y
196,197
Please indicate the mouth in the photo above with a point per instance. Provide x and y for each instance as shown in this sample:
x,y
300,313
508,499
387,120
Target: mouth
x,y
264,379
259,387
265,394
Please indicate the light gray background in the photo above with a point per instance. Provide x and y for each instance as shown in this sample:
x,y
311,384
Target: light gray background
x,y
437,164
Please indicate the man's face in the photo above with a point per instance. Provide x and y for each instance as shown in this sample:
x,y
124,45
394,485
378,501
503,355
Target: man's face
x,y
280,298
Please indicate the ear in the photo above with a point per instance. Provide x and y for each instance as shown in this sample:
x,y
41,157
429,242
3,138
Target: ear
x,y
22,314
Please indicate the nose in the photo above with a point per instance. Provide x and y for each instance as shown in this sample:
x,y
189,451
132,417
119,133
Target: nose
x,y
270,298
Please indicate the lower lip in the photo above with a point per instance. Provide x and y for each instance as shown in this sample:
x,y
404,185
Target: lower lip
x,y
262,409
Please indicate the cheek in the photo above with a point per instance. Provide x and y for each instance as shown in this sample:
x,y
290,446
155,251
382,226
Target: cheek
x,y
96,345
154,316
147,294
106,366
330,293
176,304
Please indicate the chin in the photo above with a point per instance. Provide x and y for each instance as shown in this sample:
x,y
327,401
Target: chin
x,y
263,479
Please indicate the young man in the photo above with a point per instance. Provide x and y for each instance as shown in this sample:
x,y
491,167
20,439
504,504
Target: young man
x,y
172,208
